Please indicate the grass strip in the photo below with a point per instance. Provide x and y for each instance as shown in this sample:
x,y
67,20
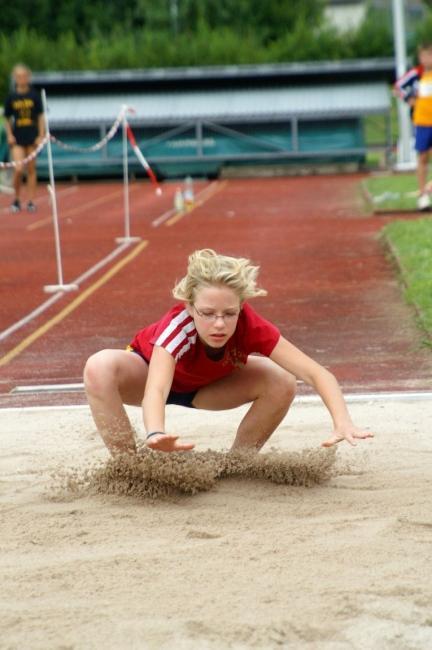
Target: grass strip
x,y
410,243
391,192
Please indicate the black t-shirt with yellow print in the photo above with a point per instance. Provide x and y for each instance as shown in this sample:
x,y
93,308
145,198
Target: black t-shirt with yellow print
x,y
24,108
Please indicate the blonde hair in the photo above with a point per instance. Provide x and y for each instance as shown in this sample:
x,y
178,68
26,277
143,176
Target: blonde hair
x,y
207,268
21,66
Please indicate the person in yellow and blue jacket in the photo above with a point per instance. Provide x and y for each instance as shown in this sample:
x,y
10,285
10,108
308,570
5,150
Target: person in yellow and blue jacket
x,y
415,88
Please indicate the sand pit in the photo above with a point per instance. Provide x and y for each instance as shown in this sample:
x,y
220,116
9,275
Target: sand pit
x,y
300,549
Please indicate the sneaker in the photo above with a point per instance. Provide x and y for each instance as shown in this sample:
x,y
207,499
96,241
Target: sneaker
x,y
15,206
423,202
31,207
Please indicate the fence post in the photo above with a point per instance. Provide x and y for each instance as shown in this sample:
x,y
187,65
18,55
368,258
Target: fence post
x,y
126,239
60,286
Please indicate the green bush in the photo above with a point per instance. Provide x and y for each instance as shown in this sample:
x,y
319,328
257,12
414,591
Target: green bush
x,y
374,38
80,35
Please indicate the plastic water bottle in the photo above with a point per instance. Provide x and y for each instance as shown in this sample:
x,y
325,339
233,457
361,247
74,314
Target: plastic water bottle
x,y
179,202
189,196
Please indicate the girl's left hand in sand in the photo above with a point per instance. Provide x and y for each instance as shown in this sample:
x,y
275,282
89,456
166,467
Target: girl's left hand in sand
x,y
349,433
167,442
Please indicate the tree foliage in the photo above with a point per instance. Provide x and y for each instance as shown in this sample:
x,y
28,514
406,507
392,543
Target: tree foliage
x,y
107,34
51,17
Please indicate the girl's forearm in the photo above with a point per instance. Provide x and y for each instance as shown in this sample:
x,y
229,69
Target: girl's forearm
x,y
41,125
8,128
330,392
154,410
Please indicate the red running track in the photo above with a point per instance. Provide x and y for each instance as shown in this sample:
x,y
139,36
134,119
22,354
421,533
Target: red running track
x,y
331,289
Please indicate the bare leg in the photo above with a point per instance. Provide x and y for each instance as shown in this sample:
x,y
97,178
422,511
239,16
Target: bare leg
x,y
18,154
270,389
422,170
113,378
31,177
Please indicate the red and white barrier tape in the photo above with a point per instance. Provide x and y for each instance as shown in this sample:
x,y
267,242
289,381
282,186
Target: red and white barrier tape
x,y
20,163
142,160
99,145
95,147
64,145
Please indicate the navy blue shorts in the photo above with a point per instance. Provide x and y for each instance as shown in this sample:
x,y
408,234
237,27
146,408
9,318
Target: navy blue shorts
x,y
180,399
423,138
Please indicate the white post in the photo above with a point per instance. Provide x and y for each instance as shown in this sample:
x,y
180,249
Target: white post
x,y
406,158
60,286
126,180
126,239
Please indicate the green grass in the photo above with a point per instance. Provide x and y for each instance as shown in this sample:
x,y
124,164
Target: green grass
x,y
392,192
411,243
375,127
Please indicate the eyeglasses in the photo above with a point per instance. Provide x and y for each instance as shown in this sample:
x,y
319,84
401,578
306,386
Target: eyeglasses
x,y
212,317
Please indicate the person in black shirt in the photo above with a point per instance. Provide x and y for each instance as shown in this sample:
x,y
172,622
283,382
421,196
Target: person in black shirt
x,y
25,129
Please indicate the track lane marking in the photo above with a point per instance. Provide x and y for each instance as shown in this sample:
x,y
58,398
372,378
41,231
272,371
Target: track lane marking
x,y
43,329
68,213
203,197
307,400
42,198
206,194
172,212
37,311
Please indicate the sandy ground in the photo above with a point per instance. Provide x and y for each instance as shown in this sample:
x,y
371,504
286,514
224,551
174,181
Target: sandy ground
x,y
247,564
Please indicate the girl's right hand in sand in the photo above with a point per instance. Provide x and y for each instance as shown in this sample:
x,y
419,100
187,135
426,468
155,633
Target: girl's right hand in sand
x,y
167,442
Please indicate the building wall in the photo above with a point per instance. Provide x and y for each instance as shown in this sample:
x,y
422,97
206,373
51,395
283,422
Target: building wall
x,y
346,16
349,14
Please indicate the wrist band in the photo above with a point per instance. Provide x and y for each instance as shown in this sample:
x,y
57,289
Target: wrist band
x,y
155,433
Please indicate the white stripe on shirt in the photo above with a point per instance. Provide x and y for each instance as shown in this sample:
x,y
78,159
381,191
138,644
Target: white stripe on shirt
x,y
425,89
182,335
176,321
186,347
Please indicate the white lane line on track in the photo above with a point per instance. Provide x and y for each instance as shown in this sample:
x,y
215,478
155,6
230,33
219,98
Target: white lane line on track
x,y
36,409
47,388
54,298
164,217
45,197
379,396
399,396
170,213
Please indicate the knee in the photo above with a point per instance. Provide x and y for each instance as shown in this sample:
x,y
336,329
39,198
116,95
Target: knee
x,y
283,388
99,371
289,386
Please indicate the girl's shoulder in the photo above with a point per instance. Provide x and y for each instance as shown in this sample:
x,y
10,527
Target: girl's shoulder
x,y
250,316
410,76
175,331
256,332
176,311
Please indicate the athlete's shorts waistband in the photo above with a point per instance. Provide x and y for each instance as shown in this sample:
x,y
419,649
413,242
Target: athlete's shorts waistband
x,y
174,397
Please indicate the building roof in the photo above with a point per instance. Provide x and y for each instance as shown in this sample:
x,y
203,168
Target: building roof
x,y
217,76
254,104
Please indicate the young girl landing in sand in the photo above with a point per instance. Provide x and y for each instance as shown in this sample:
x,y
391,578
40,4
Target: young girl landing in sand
x,y
203,354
